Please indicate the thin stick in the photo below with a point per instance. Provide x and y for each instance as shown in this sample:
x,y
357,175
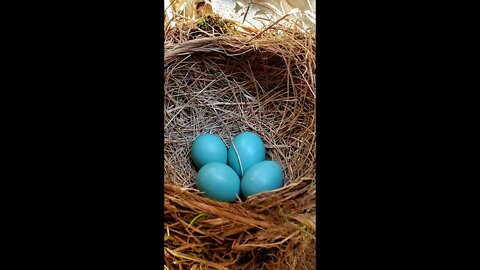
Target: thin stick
x,y
272,25
246,12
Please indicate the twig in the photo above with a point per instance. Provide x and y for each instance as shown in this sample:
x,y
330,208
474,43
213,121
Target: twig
x,y
246,12
272,25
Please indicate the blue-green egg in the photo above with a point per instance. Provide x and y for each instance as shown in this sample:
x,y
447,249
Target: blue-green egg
x,y
250,149
264,176
218,181
208,148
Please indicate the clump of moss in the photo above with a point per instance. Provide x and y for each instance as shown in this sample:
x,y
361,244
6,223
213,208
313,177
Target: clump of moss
x,y
213,23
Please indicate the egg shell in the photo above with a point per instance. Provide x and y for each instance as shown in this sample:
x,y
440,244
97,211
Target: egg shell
x,y
251,150
208,148
264,176
218,181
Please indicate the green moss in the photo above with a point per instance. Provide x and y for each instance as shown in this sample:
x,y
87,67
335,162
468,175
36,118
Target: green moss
x,y
201,23
215,23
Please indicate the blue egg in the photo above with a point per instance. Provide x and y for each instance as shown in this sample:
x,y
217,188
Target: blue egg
x,y
219,182
208,148
251,150
264,176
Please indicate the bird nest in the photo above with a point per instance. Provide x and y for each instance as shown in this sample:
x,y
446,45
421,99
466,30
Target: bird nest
x,y
225,83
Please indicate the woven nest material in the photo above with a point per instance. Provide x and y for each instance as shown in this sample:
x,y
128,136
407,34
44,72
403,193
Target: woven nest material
x,y
226,83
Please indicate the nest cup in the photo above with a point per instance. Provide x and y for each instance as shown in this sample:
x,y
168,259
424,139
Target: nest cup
x,y
226,84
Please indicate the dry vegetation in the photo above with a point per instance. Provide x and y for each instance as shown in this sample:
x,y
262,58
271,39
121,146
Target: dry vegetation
x,y
225,81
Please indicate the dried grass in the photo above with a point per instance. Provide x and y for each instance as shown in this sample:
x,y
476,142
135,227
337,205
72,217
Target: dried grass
x,y
226,83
